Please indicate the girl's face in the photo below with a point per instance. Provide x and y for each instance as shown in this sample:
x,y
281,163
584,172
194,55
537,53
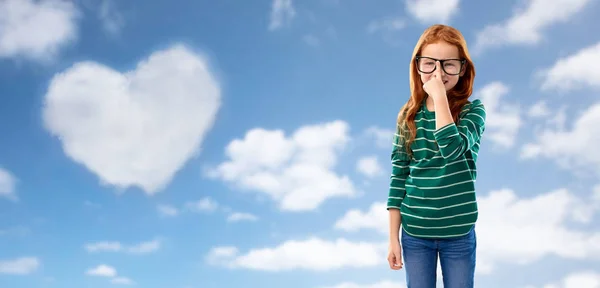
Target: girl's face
x,y
441,51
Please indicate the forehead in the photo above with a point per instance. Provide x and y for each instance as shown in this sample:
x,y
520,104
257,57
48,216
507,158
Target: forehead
x,y
440,50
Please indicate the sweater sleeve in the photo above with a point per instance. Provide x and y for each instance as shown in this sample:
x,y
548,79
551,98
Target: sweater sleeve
x,y
400,170
455,140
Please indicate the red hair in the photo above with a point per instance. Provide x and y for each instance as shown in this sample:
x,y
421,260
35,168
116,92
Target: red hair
x,y
457,96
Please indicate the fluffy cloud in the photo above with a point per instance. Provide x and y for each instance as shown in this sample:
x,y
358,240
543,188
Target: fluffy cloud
x,y
574,71
296,171
136,128
369,166
310,254
574,149
380,284
282,13
526,25
584,279
108,271
375,218
530,228
503,120
36,29
102,271
19,266
7,185
432,11
114,246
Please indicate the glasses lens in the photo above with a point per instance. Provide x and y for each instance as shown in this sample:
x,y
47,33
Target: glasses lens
x,y
452,66
426,65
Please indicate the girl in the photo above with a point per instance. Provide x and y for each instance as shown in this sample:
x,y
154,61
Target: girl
x,y
432,191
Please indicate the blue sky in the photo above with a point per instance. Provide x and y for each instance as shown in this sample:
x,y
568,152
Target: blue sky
x,y
247,142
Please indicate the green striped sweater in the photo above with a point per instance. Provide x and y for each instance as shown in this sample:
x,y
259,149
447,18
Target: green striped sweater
x,y
435,188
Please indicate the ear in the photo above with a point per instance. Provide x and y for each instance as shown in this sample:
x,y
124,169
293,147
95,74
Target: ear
x,y
464,69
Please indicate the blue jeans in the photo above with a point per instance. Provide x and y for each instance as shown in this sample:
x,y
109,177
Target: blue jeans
x,y
457,260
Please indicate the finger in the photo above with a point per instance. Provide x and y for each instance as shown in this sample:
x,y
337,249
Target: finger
x,y
392,261
438,70
399,263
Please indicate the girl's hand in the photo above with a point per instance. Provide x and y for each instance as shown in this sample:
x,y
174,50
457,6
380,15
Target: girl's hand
x,y
395,255
434,87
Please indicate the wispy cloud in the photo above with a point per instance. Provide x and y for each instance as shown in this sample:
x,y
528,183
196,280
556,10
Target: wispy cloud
x,y
19,266
8,184
115,246
239,216
282,14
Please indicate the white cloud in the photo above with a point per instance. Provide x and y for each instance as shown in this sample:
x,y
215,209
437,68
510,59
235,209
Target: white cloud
x,y
383,137
19,231
583,279
36,29
526,25
114,246
102,271
539,110
282,13
573,72
238,216
108,271
432,11
19,266
219,255
380,284
136,128
295,171
203,205
122,281
369,166
144,247
167,210
375,218
530,228
311,254
311,40
104,247
112,20
7,185
574,149
503,120
389,24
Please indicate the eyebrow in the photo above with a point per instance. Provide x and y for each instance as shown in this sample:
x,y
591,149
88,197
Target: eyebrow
x,y
422,56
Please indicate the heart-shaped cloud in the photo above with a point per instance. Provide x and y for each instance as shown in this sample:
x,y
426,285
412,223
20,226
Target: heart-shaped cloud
x,y
136,128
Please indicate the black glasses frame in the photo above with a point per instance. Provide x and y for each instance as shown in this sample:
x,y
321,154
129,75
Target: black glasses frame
x,y
462,64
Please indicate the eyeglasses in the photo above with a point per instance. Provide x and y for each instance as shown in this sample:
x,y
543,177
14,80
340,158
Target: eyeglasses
x,y
450,66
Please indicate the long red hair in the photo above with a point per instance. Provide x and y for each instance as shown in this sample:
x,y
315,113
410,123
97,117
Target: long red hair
x,y
457,96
